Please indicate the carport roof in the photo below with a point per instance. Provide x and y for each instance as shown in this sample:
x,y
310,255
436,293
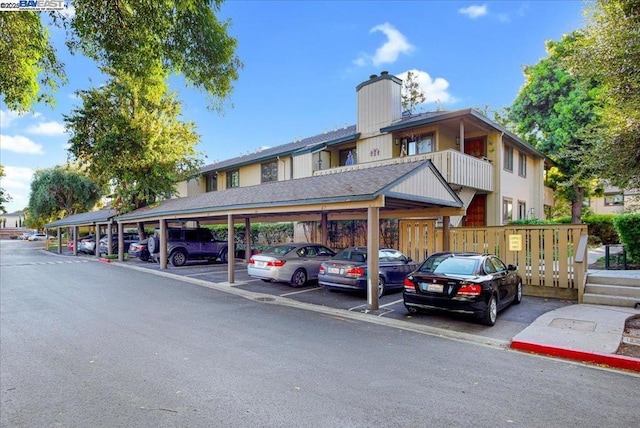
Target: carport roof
x,y
84,219
416,184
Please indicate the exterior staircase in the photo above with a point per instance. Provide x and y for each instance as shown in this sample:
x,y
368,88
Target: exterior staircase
x,y
613,290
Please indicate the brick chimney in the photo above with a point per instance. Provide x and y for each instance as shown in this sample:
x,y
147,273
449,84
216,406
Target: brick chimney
x,y
379,103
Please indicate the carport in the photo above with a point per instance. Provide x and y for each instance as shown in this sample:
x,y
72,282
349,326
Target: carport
x,y
94,220
408,189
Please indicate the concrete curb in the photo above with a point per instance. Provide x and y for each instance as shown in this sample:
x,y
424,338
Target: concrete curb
x,y
610,360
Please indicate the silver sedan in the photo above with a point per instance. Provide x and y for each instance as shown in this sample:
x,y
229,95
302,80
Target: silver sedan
x,y
294,263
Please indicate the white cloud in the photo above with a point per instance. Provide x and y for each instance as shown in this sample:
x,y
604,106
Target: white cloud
x,y
388,53
18,178
20,144
47,128
474,12
435,90
7,117
17,183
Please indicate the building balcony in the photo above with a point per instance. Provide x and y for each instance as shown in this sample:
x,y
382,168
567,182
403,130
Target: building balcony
x,y
458,169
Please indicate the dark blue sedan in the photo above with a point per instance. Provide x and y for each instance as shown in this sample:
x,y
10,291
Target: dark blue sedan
x,y
347,270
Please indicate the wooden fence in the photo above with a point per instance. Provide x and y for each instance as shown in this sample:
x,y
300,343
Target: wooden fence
x,y
552,259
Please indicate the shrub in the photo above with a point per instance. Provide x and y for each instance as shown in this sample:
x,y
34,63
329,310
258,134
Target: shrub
x,y
601,226
628,228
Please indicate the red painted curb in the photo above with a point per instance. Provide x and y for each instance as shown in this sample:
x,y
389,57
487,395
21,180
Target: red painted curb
x,y
610,360
103,260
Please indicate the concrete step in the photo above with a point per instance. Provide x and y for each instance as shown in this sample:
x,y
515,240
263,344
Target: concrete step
x,y
613,280
613,290
600,299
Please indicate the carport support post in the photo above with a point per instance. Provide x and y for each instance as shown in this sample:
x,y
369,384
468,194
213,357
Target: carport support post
x,y
59,240
373,265
247,239
323,228
109,238
75,240
163,244
96,250
446,223
120,242
231,252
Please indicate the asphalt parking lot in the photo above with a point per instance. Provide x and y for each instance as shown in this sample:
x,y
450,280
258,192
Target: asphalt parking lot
x,y
510,322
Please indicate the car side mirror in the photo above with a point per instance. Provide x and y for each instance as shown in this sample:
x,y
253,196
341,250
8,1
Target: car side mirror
x,y
512,267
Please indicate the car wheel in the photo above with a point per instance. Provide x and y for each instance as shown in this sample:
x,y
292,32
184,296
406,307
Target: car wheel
x,y
518,297
299,278
178,258
224,256
381,288
144,258
153,245
491,314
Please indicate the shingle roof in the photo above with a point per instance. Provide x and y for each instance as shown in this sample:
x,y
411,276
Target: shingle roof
x,y
84,219
353,185
342,134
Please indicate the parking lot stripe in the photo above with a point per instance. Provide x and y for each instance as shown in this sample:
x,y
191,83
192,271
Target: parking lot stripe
x,y
300,291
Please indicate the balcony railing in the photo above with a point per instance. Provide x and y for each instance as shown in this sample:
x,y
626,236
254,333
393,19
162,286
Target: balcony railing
x,y
456,168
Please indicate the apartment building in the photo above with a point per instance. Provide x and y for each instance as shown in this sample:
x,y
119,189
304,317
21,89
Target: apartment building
x,y
498,176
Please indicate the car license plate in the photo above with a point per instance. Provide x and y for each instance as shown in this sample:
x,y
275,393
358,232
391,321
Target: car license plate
x,y
260,264
432,288
334,270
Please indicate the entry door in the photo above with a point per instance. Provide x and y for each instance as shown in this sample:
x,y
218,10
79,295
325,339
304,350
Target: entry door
x,y
475,147
477,212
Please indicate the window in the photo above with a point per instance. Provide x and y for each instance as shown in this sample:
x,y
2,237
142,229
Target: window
x,y
233,179
348,157
522,165
212,183
508,158
522,210
507,210
611,200
420,144
270,171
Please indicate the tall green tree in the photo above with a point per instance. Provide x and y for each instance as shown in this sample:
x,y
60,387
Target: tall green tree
x,y
59,192
4,196
556,112
30,70
612,48
185,36
128,136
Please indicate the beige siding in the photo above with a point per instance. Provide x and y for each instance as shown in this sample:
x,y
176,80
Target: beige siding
x,y
375,148
250,175
303,165
379,104
424,184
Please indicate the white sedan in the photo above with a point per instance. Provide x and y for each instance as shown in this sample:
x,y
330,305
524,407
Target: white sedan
x,y
294,263
38,237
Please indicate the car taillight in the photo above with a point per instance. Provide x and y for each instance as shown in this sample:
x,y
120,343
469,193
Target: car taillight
x,y
409,285
357,271
276,263
321,270
470,290
251,261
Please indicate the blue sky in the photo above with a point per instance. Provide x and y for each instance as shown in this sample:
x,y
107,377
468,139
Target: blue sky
x,y
303,61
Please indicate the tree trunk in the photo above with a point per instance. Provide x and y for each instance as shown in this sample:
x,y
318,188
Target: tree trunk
x,y
141,234
576,205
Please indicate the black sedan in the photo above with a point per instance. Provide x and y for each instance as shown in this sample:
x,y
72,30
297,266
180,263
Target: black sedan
x,y
347,270
469,283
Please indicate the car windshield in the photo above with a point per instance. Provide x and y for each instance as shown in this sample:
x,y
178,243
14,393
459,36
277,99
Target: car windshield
x,y
351,254
457,266
279,250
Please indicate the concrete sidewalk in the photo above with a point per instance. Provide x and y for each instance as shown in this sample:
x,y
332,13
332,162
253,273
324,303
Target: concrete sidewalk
x,y
583,332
